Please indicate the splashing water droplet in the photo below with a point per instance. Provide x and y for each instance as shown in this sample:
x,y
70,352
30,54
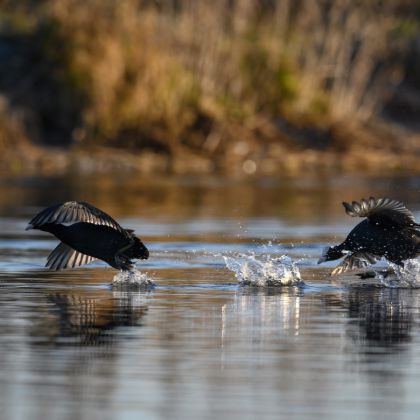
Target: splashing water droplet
x,y
132,278
402,277
266,271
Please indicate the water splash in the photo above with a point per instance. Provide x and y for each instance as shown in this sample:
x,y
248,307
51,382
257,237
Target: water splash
x,y
402,277
251,270
132,279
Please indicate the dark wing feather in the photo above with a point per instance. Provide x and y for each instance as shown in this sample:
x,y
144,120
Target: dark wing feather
x,y
64,256
73,212
382,211
355,261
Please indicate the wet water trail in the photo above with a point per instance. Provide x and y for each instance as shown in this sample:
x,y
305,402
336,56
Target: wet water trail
x,y
265,271
132,279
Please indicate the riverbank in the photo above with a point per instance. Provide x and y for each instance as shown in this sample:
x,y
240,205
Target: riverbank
x,y
380,148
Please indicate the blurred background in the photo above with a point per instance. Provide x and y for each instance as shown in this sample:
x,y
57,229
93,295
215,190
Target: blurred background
x,y
238,87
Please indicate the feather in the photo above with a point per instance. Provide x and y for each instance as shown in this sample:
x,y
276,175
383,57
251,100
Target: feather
x,y
355,261
74,212
382,211
64,256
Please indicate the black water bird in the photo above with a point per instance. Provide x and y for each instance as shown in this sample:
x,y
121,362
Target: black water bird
x,y
87,233
389,231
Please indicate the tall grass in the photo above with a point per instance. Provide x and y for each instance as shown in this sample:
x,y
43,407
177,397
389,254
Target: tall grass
x,y
185,73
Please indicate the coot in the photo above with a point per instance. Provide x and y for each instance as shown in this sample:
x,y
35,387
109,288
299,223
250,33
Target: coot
x,y
87,233
389,231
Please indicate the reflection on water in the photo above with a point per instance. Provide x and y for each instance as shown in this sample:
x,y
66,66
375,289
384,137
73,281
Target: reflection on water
x,y
377,318
170,350
300,200
86,320
384,318
262,311
198,345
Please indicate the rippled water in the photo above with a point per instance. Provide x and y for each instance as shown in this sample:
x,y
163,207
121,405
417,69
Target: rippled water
x,y
198,345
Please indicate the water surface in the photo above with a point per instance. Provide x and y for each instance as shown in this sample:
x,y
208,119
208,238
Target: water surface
x,y
198,345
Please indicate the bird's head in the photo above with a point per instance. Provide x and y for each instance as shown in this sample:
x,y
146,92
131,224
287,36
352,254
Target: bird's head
x,y
139,250
331,253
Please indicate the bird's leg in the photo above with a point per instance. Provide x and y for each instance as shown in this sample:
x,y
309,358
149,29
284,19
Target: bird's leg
x,y
373,273
123,262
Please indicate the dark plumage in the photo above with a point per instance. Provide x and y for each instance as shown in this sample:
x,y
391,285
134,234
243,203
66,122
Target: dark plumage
x,y
87,233
389,231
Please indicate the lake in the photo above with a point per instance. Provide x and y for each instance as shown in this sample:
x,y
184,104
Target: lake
x,y
198,345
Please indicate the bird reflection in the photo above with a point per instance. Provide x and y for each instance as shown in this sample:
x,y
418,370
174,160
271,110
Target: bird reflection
x,y
383,317
379,320
80,318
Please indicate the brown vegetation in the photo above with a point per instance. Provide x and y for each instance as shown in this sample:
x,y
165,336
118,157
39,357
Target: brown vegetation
x,y
205,85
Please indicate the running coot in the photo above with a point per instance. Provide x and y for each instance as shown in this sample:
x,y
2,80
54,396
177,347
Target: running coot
x,y
87,233
389,231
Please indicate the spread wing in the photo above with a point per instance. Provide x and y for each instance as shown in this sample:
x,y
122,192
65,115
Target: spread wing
x,y
382,211
355,261
73,212
64,256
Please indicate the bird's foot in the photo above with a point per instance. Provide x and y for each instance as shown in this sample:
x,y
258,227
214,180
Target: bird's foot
x,y
374,273
123,262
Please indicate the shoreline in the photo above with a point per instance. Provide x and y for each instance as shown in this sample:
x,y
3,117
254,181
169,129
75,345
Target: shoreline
x,y
377,148
44,161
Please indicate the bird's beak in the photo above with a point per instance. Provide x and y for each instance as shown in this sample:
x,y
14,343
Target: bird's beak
x,y
322,259
324,255
29,227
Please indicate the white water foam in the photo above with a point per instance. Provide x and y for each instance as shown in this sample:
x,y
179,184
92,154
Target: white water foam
x,y
402,277
264,271
132,278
